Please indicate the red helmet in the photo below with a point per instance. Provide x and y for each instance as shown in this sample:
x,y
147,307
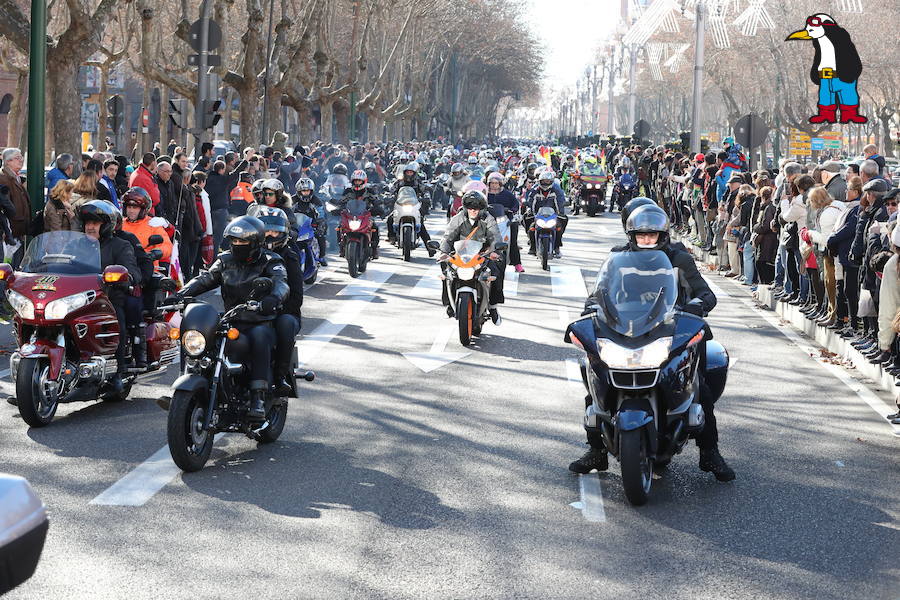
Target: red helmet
x,y
137,196
700,157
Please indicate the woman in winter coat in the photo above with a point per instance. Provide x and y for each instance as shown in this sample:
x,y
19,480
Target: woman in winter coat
x,y
765,240
59,214
733,231
84,190
828,211
889,294
847,273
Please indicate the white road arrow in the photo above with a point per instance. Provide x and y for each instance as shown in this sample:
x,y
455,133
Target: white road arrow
x,y
436,357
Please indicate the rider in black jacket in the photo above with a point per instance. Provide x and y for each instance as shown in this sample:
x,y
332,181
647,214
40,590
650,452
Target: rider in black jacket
x,y
308,203
358,190
411,179
134,304
235,271
648,229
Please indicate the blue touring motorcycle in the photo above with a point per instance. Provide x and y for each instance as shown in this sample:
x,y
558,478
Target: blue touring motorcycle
x,y
642,365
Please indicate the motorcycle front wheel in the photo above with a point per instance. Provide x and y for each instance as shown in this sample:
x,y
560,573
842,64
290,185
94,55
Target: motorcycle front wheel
x,y
545,255
189,445
637,468
406,243
33,395
465,316
352,253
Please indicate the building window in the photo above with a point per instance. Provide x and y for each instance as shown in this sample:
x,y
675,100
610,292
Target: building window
x,y
5,104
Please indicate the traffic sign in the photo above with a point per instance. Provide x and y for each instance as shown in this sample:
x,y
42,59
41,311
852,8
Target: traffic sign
x,y
817,144
750,131
215,35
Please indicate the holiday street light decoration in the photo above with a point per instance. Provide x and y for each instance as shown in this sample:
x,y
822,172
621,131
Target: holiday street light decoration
x,y
753,17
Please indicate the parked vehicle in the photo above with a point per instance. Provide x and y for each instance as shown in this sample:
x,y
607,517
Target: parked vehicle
x,y
23,530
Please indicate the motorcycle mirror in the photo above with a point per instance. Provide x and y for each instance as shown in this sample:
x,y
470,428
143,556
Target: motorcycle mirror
x,y
154,239
261,287
24,531
115,274
167,284
433,245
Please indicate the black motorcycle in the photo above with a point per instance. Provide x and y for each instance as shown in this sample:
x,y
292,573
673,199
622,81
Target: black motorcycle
x,y
642,364
212,395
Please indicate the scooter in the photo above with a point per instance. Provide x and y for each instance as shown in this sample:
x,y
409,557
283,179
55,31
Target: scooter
x,y
468,285
407,220
67,328
545,231
641,365
355,236
309,248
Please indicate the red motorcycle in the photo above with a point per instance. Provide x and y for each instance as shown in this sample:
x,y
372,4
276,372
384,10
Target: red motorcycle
x,y
66,326
355,236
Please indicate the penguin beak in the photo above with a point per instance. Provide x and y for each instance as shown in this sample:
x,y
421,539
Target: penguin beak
x,y
799,35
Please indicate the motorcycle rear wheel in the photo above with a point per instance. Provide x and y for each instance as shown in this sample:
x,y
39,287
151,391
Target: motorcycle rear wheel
x,y
636,466
465,316
352,253
189,445
277,417
31,392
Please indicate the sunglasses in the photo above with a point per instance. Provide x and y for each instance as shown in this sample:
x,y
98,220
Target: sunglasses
x,y
269,194
817,22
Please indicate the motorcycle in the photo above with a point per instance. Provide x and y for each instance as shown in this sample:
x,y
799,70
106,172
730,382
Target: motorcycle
x,y
545,231
624,192
67,329
592,197
355,236
407,220
641,366
309,248
468,285
439,195
212,395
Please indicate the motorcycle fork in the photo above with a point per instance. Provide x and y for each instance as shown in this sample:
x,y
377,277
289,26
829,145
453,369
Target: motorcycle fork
x,y
214,388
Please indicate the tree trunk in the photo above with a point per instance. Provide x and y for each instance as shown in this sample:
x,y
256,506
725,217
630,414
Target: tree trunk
x,y
327,111
15,122
342,121
249,116
304,131
229,111
273,113
164,118
62,73
885,119
103,120
375,127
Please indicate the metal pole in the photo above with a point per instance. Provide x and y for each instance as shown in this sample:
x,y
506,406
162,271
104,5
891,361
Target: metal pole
x,y
632,74
202,78
611,113
453,99
265,111
698,75
36,104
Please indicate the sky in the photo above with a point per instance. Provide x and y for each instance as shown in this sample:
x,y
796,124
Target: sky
x,y
571,30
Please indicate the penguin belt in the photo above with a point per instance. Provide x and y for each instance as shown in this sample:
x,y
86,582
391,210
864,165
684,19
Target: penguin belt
x,y
827,74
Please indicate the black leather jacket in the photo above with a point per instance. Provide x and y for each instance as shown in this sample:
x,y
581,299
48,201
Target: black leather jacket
x,y
236,281
294,301
366,195
144,272
115,251
308,206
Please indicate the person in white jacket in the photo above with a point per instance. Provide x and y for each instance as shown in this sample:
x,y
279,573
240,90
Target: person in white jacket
x,y
829,213
889,295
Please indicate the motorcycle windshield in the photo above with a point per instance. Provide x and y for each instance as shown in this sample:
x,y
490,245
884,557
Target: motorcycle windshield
x,y
407,197
546,212
592,169
467,249
636,291
304,227
64,252
356,208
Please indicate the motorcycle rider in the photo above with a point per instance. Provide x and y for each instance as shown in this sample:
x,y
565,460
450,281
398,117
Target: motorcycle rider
x,y
411,179
546,193
143,285
235,271
458,180
273,195
648,229
98,222
308,203
289,320
360,191
136,204
474,222
497,194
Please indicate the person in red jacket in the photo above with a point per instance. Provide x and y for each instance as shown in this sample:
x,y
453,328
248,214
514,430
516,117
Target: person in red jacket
x,y
143,178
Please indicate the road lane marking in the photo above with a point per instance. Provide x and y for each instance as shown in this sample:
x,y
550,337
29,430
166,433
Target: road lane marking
x,y
436,357
429,284
511,282
591,498
567,281
864,393
141,484
369,282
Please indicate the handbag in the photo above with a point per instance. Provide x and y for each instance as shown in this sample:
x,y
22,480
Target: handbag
x,y
866,305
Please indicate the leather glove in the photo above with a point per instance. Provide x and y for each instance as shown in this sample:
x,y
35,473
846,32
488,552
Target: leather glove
x,y
171,299
268,305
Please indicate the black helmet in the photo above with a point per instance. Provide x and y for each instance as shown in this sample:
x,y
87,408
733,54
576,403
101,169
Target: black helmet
x,y
138,196
648,219
340,169
102,211
633,205
249,229
530,169
275,221
474,199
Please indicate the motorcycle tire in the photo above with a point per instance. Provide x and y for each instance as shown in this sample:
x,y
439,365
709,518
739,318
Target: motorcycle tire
x,y
636,466
406,243
545,256
35,410
591,212
277,417
312,278
190,447
352,253
465,317
364,254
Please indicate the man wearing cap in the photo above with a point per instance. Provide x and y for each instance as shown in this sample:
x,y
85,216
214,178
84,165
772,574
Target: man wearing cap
x,y
834,183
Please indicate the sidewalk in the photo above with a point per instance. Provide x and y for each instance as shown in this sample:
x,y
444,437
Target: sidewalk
x,y
843,352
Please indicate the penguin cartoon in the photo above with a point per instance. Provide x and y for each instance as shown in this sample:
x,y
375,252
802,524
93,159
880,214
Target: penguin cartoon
x,y
836,68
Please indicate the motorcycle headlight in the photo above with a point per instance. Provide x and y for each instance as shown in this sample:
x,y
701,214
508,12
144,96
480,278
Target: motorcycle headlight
x,y
465,273
355,224
548,223
58,309
589,186
193,342
22,305
647,357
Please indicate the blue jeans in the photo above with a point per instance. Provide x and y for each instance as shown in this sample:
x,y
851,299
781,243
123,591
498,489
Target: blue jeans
x,y
220,219
780,265
749,263
834,91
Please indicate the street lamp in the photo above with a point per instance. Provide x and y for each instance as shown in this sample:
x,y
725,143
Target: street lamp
x,y
37,68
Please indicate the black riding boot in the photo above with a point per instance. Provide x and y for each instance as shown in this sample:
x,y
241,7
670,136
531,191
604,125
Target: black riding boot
x,y
257,400
139,346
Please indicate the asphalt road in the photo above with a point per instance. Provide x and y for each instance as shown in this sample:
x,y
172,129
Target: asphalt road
x,y
389,482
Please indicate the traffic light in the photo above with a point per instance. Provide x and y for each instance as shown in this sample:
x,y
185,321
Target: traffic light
x,y
115,106
176,113
211,114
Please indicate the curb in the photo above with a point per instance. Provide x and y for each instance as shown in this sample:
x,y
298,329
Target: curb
x,y
826,338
